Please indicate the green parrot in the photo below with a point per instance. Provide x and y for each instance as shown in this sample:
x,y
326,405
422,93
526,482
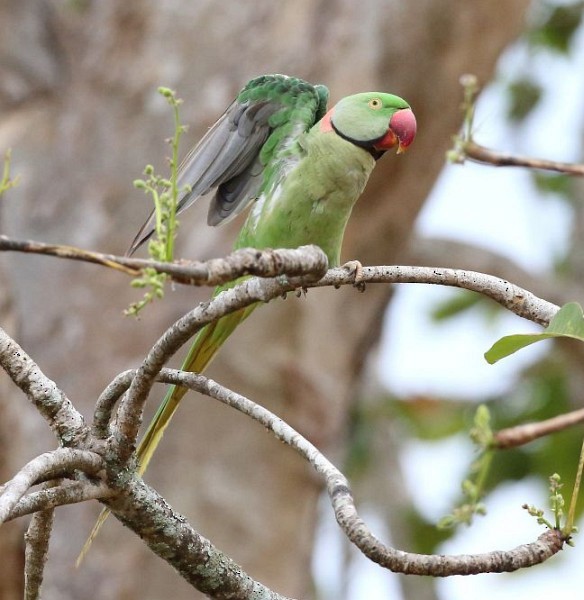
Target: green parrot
x,y
299,167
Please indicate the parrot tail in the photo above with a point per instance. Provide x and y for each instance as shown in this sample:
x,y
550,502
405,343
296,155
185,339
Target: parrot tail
x,y
206,345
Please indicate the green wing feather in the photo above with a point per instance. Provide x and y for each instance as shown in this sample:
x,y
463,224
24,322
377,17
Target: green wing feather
x,y
241,157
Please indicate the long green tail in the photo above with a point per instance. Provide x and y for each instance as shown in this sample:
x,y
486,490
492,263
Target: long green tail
x,y
206,345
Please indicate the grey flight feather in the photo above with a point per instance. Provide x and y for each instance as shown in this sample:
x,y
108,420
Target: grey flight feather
x,y
227,157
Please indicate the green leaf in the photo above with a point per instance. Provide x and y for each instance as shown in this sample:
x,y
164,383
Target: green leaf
x,y
557,31
568,322
524,96
455,305
553,184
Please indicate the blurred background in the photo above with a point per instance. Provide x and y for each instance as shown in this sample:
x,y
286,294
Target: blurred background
x,y
385,383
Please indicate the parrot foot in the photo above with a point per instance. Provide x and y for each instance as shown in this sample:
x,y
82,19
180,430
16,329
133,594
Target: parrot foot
x,y
355,267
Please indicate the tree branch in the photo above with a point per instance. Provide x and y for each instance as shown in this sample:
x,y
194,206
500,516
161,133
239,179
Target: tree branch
x,y
512,297
466,148
145,512
36,540
169,535
242,262
66,422
107,401
68,492
516,299
523,434
423,250
526,555
50,465
341,498
245,294
480,154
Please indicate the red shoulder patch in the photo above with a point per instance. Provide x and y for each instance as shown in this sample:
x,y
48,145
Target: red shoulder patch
x,y
325,122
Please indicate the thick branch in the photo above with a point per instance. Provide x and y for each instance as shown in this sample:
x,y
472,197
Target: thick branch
x,y
169,535
50,465
65,421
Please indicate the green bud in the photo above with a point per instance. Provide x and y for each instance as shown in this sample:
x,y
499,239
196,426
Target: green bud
x,y
166,92
447,522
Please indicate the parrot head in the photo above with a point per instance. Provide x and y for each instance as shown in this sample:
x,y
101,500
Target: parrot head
x,y
375,121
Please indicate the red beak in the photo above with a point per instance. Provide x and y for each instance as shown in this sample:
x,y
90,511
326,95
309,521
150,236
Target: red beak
x,y
402,131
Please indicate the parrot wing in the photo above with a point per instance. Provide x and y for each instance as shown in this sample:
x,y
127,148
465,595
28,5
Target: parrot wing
x,y
235,155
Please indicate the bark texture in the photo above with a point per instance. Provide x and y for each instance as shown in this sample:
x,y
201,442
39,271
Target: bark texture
x,y
79,107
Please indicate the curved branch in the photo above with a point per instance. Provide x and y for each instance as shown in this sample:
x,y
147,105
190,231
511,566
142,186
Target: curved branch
x,y
69,492
246,293
50,465
164,542
526,555
104,406
516,299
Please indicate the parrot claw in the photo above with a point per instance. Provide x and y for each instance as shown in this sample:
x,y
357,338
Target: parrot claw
x,y
355,267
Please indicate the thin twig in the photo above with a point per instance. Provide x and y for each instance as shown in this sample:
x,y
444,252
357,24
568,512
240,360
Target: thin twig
x,y
466,148
523,434
480,154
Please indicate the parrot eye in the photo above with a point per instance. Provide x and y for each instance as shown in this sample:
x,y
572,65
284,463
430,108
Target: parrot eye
x,y
375,103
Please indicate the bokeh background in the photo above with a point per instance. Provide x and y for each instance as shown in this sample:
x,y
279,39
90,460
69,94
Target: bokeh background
x,y
387,393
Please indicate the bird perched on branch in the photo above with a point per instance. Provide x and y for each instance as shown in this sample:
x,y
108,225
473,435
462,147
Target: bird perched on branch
x,y
299,168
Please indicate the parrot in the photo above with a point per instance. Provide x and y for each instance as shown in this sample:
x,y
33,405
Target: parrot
x,y
299,167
